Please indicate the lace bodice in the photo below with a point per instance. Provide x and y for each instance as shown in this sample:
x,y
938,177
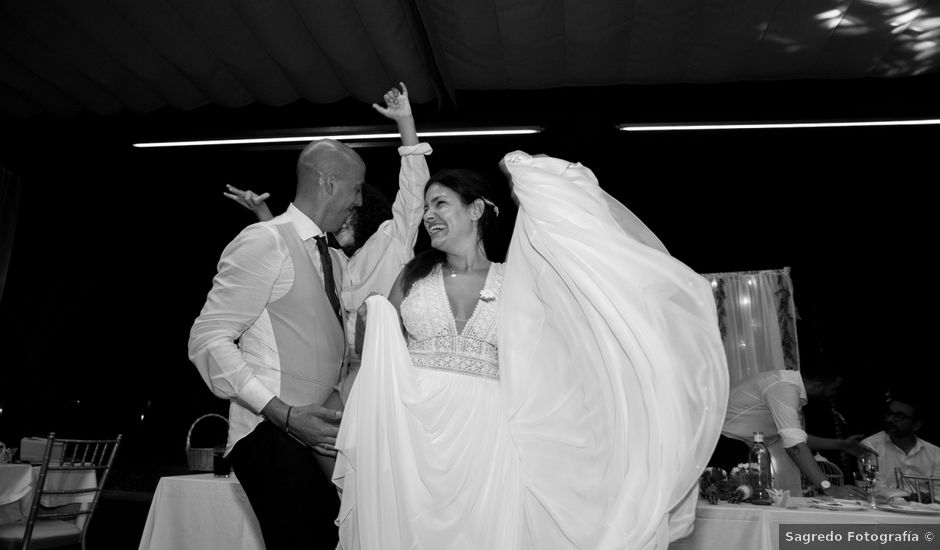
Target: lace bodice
x,y
433,340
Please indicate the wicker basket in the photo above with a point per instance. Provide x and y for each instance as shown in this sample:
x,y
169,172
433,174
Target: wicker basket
x,y
200,458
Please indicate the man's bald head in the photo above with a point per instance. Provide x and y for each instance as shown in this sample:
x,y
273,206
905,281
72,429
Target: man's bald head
x,y
329,182
324,157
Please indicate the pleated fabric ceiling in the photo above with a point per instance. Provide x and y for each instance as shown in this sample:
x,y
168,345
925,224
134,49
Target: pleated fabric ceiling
x,y
62,57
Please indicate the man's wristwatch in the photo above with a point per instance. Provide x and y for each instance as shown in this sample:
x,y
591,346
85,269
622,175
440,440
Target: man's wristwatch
x,y
825,485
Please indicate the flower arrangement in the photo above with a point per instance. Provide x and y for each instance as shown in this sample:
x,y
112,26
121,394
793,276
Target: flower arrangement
x,y
741,474
716,484
714,474
6,454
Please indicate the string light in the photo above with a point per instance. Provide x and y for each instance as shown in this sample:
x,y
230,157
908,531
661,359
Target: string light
x,y
683,126
350,136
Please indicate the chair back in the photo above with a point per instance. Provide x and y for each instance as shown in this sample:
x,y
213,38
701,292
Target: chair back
x,y
833,474
920,486
71,455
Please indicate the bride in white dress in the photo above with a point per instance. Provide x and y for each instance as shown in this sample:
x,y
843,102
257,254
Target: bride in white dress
x,y
568,398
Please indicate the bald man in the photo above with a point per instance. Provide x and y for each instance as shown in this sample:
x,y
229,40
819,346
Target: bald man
x,y
270,340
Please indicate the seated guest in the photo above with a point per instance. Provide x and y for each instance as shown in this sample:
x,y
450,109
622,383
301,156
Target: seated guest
x,y
898,445
770,402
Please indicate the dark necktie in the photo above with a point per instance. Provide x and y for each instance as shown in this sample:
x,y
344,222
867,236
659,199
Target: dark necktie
x,y
328,283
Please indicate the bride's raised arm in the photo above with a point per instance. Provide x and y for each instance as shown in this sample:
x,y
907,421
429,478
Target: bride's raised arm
x,y
398,108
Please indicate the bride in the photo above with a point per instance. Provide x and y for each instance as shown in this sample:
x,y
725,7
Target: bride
x,y
568,398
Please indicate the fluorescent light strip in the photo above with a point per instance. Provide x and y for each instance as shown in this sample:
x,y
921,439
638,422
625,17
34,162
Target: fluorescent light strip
x,y
442,133
640,127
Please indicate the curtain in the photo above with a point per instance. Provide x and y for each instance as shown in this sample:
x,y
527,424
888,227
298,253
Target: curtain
x,y
9,204
757,320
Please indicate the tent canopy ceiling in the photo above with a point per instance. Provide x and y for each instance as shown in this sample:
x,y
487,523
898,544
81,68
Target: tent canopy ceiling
x,y
103,57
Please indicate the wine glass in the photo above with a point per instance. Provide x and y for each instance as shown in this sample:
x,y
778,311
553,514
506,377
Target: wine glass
x,y
868,468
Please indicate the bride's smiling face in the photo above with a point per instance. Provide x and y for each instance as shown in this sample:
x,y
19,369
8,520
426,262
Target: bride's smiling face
x,y
448,221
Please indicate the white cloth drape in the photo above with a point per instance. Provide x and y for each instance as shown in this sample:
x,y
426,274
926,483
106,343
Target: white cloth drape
x,y
615,378
758,321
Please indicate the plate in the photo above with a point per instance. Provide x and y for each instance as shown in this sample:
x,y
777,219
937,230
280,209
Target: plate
x,y
889,492
908,510
843,505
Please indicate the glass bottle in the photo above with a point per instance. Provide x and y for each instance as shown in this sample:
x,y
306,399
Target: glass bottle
x,y
759,459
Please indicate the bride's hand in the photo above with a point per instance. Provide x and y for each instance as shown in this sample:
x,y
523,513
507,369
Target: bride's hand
x,y
397,105
361,315
363,310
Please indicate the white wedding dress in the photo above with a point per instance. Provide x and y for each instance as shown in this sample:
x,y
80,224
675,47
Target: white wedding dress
x,y
591,428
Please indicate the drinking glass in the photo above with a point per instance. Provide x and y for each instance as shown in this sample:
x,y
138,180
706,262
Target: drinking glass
x,y
868,469
221,467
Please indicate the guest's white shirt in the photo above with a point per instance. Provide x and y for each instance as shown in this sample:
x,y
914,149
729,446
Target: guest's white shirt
x,y
923,459
768,402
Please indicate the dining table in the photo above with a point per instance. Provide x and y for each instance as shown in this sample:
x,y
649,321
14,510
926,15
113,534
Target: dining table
x,y
726,526
200,512
205,512
18,485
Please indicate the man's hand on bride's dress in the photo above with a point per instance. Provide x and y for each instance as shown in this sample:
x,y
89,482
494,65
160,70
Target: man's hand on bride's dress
x,y
254,202
316,427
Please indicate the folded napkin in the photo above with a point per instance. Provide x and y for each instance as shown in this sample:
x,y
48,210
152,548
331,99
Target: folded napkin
x,y
782,499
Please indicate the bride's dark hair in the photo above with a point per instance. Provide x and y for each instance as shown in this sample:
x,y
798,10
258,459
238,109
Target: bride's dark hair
x,y
469,186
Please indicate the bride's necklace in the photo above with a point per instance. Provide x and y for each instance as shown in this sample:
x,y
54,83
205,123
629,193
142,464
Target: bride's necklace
x,y
453,271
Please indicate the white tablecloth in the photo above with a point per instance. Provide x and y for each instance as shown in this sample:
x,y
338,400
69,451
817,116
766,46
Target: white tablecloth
x,y
18,481
201,512
746,526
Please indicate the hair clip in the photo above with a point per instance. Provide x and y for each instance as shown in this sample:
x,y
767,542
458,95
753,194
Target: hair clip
x,y
489,202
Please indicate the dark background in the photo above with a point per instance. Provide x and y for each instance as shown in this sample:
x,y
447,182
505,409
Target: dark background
x,y
116,247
